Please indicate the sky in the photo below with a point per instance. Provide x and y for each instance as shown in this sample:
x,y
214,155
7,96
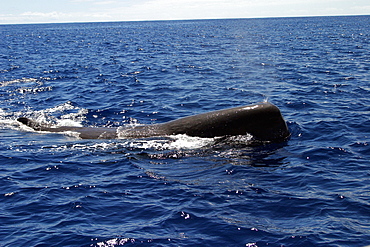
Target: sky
x,y
61,11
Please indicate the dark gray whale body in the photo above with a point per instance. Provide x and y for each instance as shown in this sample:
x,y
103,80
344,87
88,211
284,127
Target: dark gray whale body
x,y
263,121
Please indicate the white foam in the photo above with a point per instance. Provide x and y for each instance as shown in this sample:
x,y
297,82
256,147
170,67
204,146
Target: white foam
x,y
66,118
68,122
9,123
189,142
247,138
169,142
23,80
61,115
62,107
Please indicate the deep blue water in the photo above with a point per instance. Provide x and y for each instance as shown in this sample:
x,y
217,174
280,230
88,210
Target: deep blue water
x,y
313,190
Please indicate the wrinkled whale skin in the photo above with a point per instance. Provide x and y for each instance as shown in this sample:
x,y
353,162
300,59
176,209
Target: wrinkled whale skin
x,y
262,120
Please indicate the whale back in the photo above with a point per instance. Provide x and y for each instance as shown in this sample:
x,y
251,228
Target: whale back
x,y
263,121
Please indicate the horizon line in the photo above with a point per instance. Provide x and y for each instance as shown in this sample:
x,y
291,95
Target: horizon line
x,y
196,19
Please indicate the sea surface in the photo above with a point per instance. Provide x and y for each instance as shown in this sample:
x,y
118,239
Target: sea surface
x,y
312,190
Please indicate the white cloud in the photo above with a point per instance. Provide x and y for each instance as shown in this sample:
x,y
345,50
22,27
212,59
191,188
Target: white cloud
x,y
206,9
183,9
45,17
81,1
362,10
105,3
53,15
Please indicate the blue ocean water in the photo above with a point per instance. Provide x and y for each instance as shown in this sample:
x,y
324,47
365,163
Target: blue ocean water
x,y
313,190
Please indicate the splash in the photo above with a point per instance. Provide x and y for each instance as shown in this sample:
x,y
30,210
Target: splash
x,y
173,142
65,114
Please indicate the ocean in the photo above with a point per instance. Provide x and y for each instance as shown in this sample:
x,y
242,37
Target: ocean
x,y
59,190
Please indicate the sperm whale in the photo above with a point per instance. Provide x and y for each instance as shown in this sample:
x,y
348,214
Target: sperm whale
x,y
263,121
